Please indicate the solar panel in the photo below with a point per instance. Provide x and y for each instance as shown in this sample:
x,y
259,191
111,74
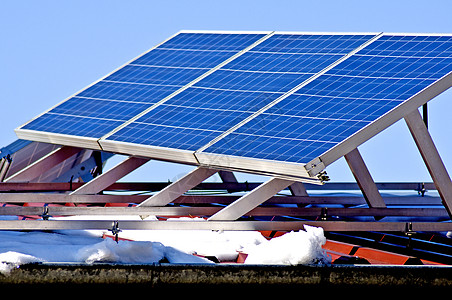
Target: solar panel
x,y
281,104
238,89
138,85
342,101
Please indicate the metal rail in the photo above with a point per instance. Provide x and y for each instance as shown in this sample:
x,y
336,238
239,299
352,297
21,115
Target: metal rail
x,y
208,211
222,225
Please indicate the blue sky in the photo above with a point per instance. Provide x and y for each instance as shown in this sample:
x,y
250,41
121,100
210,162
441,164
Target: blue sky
x,y
51,49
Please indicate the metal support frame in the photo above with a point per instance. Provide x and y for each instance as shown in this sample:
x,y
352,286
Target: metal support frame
x,y
176,189
208,199
228,177
433,212
420,187
298,189
219,218
106,179
5,163
222,225
43,164
251,200
364,179
431,158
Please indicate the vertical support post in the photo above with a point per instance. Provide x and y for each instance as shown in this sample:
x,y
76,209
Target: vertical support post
x,y
431,158
364,179
425,114
228,177
106,179
251,200
298,189
176,189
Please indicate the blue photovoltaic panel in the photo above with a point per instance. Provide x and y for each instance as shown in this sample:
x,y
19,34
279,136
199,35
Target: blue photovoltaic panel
x,y
135,87
237,90
282,62
262,93
203,113
345,99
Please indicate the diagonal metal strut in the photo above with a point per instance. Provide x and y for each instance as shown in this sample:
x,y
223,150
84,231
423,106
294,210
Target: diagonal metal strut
x,y
251,200
176,189
431,158
106,179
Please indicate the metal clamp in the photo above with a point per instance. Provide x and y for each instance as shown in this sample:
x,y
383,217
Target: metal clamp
x,y
421,189
115,230
323,177
45,213
409,233
324,214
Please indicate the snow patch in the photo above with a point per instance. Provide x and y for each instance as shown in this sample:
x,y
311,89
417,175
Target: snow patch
x,y
11,260
17,248
293,248
154,246
122,252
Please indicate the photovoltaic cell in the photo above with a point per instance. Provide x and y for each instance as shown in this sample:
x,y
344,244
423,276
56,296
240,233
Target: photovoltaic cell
x,y
135,87
345,99
238,89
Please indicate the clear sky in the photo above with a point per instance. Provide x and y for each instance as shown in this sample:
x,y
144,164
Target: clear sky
x,y
50,49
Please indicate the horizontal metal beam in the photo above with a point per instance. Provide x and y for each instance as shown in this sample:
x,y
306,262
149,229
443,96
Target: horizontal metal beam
x,y
224,225
351,200
66,198
240,186
206,199
207,211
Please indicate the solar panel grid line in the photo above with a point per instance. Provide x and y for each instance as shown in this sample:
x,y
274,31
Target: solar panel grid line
x,y
110,100
402,56
268,72
231,90
185,87
377,77
279,99
169,67
139,84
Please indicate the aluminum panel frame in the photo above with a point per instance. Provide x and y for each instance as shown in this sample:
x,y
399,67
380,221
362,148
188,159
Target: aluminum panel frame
x,y
283,170
153,152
